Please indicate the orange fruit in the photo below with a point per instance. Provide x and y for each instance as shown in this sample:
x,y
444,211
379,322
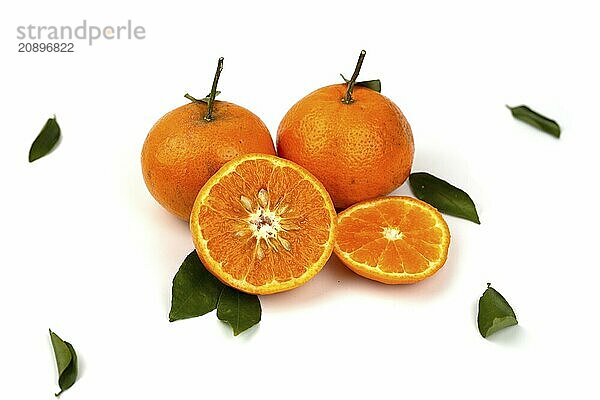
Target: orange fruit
x,y
359,150
263,224
185,148
392,239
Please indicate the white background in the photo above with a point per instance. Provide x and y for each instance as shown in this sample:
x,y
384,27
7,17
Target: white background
x,y
87,252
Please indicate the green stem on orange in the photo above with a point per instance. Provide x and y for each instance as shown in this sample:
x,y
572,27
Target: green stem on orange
x,y
190,97
213,92
347,99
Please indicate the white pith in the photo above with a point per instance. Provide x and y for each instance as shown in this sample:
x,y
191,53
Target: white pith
x,y
392,233
266,224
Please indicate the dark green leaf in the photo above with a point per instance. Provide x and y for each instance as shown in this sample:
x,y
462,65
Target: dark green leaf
x,y
66,362
446,198
204,99
374,84
527,115
45,141
195,290
238,309
494,313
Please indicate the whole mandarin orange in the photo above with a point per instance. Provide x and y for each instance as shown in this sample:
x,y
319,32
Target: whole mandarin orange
x,y
354,140
190,143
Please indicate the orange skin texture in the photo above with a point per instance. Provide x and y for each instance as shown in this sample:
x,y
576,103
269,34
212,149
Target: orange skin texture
x,y
358,151
182,150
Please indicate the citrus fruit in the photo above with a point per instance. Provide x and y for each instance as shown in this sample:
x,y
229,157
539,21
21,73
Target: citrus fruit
x,y
190,143
263,224
392,239
359,147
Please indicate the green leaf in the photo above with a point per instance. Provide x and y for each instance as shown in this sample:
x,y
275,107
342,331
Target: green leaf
x,y
374,84
494,313
197,292
527,115
240,310
66,362
446,198
204,99
45,141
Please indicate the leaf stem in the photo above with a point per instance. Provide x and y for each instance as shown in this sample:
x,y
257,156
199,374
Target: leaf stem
x,y
190,97
58,394
347,99
213,91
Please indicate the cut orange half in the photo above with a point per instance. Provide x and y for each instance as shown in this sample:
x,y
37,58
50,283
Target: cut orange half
x,y
263,224
392,239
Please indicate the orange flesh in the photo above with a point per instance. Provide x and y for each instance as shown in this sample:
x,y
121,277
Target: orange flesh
x,y
263,225
393,239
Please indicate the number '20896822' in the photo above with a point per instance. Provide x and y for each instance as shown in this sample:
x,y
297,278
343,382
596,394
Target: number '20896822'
x,y
46,47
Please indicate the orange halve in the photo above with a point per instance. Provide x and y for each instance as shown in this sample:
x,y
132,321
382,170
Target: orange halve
x,y
263,224
392,239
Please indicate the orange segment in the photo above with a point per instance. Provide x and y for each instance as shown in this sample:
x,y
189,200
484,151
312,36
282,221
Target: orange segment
x,y
263,224
392,239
